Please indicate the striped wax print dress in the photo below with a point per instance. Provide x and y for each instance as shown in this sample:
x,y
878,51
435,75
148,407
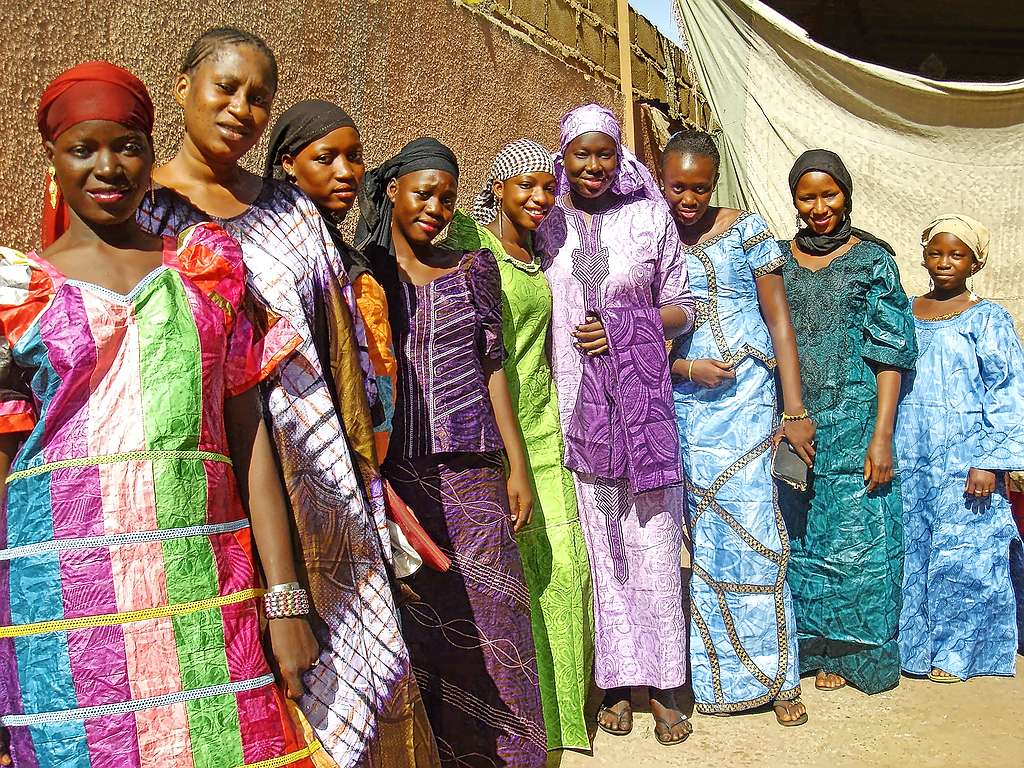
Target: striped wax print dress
x,y
129,632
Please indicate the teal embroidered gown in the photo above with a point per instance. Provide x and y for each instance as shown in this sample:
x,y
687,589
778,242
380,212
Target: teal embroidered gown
x,y
846,561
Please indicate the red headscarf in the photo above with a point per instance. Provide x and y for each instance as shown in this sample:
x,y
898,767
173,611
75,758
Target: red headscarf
x,y
93,90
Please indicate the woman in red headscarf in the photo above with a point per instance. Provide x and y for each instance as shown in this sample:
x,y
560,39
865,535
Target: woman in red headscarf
x,y
131,444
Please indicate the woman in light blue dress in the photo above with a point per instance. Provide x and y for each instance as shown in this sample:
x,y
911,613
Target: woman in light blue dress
x,y
742,635
960,426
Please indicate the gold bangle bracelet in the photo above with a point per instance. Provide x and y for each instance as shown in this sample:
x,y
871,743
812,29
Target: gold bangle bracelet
x,y
799,417
689,371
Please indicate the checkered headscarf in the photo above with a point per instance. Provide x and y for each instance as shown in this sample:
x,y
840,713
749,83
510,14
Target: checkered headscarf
x,y
515,159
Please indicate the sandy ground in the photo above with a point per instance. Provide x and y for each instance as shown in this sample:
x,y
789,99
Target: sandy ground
x,y
977,724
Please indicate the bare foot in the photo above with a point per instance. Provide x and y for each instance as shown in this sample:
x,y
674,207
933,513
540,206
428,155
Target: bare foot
x,y
790,713
670,725
616,713
828,681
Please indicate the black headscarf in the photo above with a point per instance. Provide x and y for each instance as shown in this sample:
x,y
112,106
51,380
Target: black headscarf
x,y
423,154
373,233
824,161
298,127
301,125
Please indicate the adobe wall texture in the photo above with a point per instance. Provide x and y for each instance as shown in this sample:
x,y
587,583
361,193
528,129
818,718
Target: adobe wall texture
x,y
474,74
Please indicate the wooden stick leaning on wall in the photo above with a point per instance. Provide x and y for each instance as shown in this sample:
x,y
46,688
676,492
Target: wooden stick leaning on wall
x,y
626,74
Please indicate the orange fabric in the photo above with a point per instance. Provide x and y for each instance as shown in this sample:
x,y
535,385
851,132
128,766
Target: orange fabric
x,y
373,306
24,420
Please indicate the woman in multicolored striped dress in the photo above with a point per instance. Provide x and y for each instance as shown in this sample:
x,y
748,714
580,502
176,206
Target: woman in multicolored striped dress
x,y
130,443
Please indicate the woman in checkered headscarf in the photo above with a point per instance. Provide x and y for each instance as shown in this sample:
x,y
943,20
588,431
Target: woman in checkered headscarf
x,y
516,196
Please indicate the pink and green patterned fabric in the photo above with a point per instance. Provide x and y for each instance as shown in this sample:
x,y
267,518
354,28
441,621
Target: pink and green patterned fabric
x,y
129,633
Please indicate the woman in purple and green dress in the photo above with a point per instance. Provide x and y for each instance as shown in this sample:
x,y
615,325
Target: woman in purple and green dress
x,y
468,630
518,194
361,701
613,258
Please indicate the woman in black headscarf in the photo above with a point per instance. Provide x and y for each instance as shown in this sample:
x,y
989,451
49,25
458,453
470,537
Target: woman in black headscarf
x,y
469,632
316,146
855,336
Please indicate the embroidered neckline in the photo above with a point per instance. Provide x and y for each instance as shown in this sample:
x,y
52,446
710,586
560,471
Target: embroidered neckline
x,y
715,238
949,316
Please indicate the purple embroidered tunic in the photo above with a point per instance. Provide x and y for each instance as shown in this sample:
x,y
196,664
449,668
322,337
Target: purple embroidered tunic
x,y
469,632
454,322
625,265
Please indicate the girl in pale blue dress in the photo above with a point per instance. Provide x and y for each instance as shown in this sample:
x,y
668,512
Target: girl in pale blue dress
x,y
743,649
960,427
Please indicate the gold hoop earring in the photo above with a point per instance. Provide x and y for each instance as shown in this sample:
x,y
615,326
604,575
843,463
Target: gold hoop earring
x,y
53,189
501,222
152,193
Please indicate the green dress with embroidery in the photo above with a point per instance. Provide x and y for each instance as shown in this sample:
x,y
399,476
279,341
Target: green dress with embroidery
x,y
552,548
846,558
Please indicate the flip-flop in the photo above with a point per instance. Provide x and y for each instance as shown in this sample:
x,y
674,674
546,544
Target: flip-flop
x,y
618,719
665,724
944,679
789,723
829,687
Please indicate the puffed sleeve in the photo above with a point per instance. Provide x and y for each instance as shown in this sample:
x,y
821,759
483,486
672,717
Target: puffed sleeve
x,y
671,280
25,291
889,337
258,338
485,291
760,249
1001,363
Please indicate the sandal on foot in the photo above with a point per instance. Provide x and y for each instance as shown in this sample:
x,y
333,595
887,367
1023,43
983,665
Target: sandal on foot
x,y
670,742
942,676
788,723
820,687
628,711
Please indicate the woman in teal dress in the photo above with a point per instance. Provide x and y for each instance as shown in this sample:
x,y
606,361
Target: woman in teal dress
x,y
855,336
518,193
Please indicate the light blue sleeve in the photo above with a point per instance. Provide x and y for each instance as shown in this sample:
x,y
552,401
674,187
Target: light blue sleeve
x,y
1001,363
760,249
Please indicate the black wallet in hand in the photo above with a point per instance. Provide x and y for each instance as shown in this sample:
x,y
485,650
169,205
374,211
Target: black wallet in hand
x,y
788,467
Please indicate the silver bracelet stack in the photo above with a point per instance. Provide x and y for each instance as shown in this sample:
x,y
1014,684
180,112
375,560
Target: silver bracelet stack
x,y
286,601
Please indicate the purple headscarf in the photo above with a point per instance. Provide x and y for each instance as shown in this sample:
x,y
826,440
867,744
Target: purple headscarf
x,y
633,177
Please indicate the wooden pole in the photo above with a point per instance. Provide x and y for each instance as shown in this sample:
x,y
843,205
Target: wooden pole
x,y
626,74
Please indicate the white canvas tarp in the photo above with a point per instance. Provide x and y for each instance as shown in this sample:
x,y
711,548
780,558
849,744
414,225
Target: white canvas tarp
x,y
916,147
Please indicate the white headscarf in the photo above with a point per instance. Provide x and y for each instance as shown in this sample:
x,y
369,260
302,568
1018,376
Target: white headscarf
x,y
970,231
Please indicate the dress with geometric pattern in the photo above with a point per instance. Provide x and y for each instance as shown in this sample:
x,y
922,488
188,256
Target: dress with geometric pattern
x,y
743,650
